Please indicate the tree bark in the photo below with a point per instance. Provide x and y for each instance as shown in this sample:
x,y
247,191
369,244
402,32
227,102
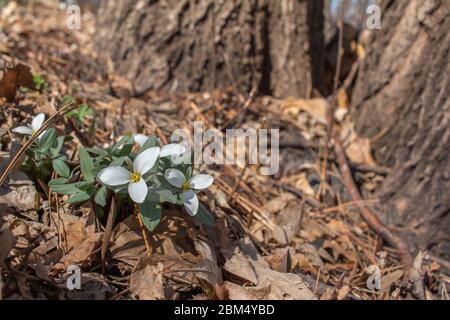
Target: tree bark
x,y
200,45
402,100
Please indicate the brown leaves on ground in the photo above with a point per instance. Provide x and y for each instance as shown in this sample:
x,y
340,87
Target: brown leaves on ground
x,y
146,281
178,255
84,254
8,242
247,266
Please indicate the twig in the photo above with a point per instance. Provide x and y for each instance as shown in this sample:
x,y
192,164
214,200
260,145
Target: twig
x,y
143,230
108,230
331,107
340,53
317,282
372,220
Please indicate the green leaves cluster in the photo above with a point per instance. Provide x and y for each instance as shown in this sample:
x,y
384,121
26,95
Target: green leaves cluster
x,y
41,84
45,155
81,184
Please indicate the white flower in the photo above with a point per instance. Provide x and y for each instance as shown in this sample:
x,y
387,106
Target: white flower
x,y
173,149
177,179
137,188
30,130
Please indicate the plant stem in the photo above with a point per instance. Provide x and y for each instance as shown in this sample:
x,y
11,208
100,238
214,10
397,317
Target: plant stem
x,y
143,230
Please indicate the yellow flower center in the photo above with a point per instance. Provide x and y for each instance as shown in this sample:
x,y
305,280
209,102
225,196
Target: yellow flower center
x,y
185,186
135,177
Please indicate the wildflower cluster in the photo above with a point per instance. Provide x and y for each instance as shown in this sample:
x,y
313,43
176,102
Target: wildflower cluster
x,y
136,168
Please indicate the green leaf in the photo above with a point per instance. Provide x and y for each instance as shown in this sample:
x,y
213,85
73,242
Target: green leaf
x,y
40,83
118,161
150,143
67,189
48,140
125,140
204,216
125,151
61,168
97,151
57,181
87,165
84,185
161,194
68,100
99,211
80,113
151,214
79,197
101,196
59,144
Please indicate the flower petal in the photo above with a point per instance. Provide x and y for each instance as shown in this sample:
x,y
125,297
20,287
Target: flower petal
x,y
37,122
146,160
172,149
175,177
140,139
114,176
23,130
190,201
138,191
185,158
200,182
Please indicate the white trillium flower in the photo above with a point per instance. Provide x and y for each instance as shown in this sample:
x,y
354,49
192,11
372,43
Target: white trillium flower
x,y
200,182
173,149
31,130
137,188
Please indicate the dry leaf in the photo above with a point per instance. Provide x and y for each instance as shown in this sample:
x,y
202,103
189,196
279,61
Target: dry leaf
x,y
389,279
8,241
18,76
146,281
288,222
269,284
82,255
19,194
236,292
316,108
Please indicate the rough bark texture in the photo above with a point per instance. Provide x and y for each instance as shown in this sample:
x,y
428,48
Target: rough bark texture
x,y
195,45
402,100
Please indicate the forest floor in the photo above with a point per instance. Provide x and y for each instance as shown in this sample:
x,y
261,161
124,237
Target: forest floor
x,y
286,236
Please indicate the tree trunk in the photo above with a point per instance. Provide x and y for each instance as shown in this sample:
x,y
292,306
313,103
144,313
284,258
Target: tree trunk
x,y
199,45
402,100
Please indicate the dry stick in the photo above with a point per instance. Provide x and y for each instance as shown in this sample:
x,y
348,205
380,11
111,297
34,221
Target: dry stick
x,y
331,108
52,120
108,231
143,230
372,220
